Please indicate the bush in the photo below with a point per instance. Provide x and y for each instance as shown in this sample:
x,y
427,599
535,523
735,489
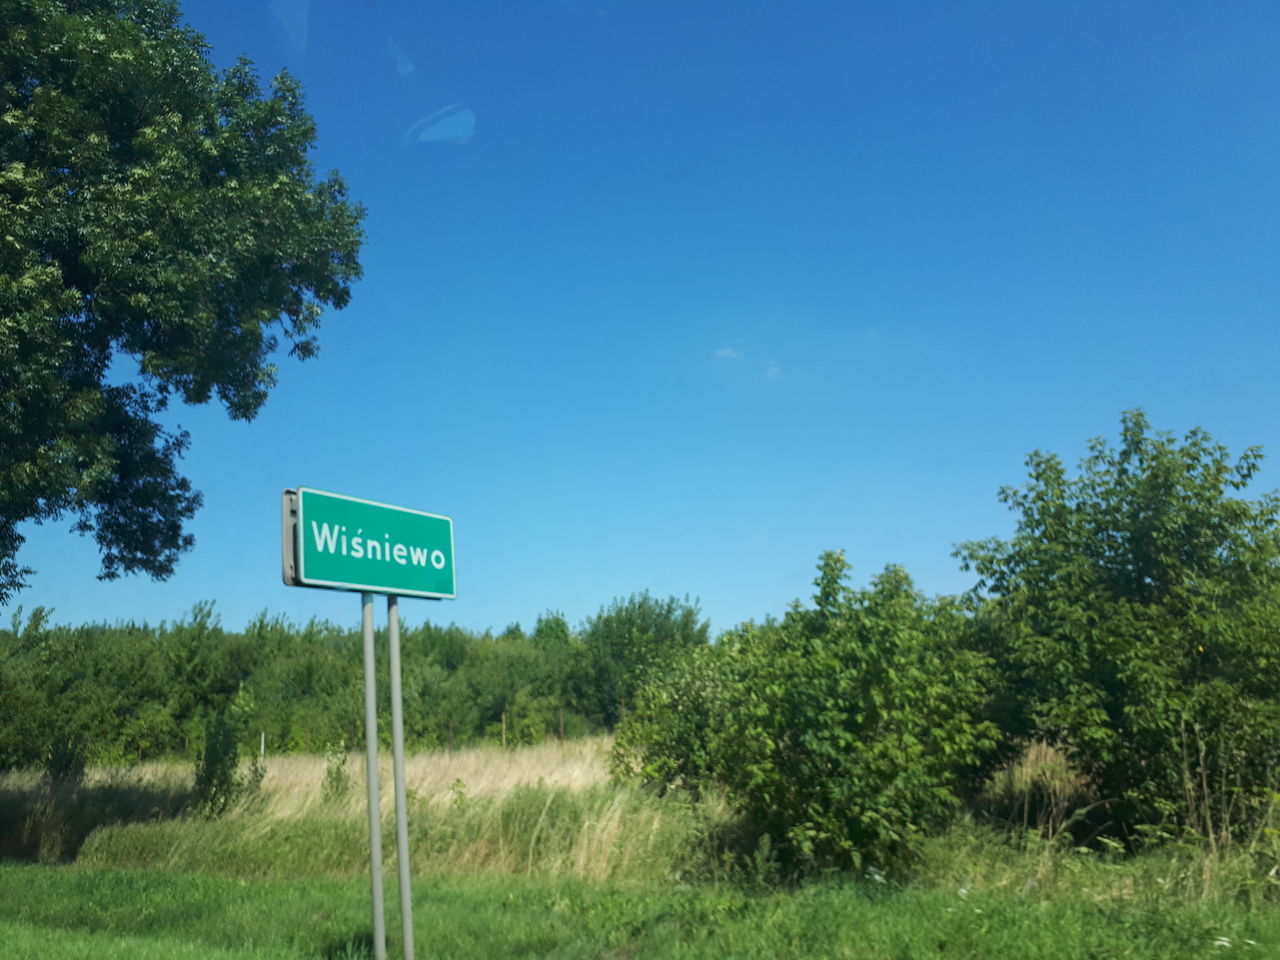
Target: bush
x,y
841,733
337,782
1134,614
665,739
218,784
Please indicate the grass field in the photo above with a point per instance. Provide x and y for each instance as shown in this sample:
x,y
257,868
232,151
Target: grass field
x,y
76,911
534,853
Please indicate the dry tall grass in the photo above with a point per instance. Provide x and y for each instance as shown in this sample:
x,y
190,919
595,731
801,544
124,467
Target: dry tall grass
x,y
292,785
1039,789
546,810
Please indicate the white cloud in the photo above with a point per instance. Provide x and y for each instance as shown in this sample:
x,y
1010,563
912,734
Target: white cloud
x,y
726,353
773,371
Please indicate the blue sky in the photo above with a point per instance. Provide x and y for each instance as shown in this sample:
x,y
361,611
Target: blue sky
x,y
674,296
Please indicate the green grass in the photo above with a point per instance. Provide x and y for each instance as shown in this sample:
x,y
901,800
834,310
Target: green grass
x,y
72,911
592,870
23,940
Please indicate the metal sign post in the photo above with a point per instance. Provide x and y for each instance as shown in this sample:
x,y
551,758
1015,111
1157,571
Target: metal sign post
x,y
397,767
371,776
338,542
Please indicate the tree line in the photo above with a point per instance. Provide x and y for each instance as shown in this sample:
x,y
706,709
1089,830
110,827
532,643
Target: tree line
x,y
118,694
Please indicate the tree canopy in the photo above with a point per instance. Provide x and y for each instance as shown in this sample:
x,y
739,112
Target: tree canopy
x,y
161,232
631,636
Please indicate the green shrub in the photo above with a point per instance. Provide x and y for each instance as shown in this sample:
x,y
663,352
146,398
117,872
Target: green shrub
x,y
218,784
665,739
841,733
337,782
1134,614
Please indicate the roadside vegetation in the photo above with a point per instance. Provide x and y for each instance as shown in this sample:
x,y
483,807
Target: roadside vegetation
x,y
1079,757
536,851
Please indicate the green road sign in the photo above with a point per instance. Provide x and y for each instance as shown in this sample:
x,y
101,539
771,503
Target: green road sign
x,y
345,543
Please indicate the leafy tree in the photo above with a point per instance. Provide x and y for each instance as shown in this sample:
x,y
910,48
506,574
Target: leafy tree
x,y
513,632
1135,611
207,667
630,636
551,630
307,686
25,711
530,717
155,212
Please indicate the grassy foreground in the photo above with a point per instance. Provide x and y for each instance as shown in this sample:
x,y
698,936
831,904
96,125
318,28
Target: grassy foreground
x,y
74,912
534,853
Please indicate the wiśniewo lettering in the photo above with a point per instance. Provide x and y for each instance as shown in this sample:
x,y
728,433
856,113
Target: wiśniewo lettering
x,y
334,539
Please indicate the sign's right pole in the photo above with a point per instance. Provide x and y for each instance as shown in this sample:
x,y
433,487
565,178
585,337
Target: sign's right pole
x,y
397,768
371,772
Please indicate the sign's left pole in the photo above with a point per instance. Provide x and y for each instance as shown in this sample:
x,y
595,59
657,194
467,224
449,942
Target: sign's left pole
x,y
371,771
